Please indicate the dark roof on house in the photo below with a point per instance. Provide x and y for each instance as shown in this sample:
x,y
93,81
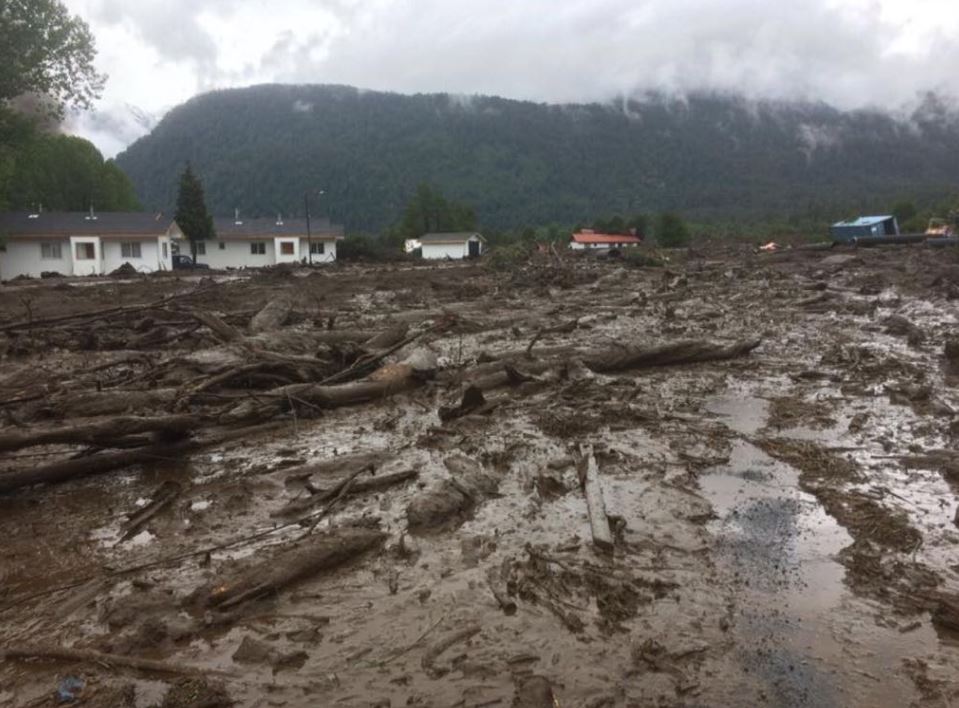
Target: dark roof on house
x,y
450,237
270,227
80,223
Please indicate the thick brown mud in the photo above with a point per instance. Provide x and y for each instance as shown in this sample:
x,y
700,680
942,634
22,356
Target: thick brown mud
x,y
784,521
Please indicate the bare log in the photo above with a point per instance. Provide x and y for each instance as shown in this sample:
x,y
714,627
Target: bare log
x,y
223,331
273,315
162,498
358,486
595,504
88,656
685,352
319,553
387,339
107,462
91,404
428,662
99,433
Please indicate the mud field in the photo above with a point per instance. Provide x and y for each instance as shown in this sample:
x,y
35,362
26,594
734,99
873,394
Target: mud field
x,y
725,482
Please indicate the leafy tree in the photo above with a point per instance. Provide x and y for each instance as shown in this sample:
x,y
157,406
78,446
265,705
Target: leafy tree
x,y
45,50
429,211
904,211
671,230
191,214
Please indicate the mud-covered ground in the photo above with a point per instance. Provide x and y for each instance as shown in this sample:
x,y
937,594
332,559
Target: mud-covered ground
x,y
785,521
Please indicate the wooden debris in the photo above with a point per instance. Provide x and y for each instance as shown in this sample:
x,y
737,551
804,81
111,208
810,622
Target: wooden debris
x,y
428,662
685,352
162,498
357,487
292,564
273,315
88,656
595,504
99,433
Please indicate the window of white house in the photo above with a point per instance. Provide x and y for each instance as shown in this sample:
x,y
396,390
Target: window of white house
x,y
130,250
86,251
222,245
200,248
316,247
286,248
258,248
165,249
51,250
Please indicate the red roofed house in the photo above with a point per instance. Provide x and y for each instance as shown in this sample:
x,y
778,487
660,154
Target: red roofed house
x,y
587,238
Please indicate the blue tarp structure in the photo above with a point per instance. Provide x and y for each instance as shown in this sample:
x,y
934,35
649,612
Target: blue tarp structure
x,y
864,226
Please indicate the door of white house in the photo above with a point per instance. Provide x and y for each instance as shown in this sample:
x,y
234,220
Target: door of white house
x,y
287,250
86,255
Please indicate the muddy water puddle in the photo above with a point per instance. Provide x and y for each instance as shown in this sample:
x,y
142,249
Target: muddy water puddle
x,y
798,629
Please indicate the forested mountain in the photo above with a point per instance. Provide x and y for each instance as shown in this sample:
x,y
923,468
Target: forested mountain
x,y
258,149
59,172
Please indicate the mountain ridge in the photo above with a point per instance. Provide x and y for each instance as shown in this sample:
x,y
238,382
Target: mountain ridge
x,y
521,162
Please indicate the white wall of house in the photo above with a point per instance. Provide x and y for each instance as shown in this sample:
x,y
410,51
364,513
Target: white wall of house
x,y
29,257
34,255
87,255
442,251
225,253
150,258
324,251
287,249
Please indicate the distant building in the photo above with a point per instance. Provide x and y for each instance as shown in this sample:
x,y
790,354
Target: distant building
x,y
864,226
84,243
253,243
452,246
587,238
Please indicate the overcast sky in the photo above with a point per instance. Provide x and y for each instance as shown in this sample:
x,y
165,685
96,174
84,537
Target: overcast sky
x,y
851,53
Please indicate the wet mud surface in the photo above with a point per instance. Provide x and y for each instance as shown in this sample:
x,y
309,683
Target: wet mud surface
x,y
784,523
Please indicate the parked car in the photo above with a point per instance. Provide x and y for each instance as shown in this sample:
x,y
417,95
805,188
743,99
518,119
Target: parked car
x,y
183,262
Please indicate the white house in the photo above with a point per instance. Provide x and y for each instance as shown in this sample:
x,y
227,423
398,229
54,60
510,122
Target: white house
x,y
84,243
587,238
253,243
458,245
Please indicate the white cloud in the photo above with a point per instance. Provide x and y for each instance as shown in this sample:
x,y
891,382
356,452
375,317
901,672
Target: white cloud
x,y
851,53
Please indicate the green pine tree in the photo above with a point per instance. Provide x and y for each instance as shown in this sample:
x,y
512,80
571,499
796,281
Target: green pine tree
x,y
191,215
671,230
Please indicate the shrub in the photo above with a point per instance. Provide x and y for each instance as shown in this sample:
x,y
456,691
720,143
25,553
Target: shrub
x,y
671,231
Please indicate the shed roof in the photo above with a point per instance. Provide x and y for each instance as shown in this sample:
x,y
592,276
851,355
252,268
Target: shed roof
x,y
864,221
270,227
81,223
593,237
451,237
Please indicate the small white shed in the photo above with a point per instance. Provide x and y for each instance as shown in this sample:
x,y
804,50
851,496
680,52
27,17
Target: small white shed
x,y
452,246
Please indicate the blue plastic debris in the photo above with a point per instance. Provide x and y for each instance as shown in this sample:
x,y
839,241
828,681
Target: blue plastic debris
x,y
69,688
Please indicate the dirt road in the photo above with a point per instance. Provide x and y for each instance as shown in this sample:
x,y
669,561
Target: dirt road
x,y
373,496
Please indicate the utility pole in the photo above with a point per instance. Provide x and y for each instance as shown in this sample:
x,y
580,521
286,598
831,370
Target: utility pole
x,y
309,236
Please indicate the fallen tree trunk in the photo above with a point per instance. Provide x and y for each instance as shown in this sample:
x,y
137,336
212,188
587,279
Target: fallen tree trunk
x,y
319,553
107,462
385,381
89,656
273,315
99,433
162,498
358,486
685,352
91,404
